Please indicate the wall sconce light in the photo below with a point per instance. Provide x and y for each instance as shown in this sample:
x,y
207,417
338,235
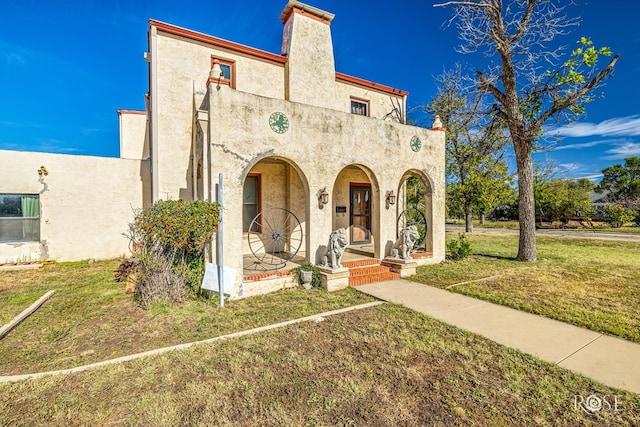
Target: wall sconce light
x,y
324,196
391,198
43,171
216,72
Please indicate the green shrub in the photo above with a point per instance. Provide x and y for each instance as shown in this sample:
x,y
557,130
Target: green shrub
x,y
186,226
459,249
616,215
171,237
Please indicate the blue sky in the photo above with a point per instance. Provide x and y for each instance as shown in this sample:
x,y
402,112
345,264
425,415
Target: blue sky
x,y
66,66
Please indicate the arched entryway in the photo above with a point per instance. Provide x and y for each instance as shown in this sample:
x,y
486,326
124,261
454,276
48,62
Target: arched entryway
x,y
274,216
415,207
356,208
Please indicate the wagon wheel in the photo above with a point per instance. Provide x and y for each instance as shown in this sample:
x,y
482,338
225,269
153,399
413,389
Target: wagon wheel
x,y
413,216
275,237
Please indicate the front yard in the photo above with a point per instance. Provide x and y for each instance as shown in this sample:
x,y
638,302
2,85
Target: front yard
x,y
385,365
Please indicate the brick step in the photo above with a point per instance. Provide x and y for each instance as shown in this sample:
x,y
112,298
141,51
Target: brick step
x,y
370,269
367,272
254,277
361,262
371,278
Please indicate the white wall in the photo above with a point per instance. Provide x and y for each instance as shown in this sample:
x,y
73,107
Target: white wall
x,y
134,136
86,203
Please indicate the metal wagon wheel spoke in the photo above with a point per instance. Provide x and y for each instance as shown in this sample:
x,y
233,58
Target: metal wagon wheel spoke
x,y
275,237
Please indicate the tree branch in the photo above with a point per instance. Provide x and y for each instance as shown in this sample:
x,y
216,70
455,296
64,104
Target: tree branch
x,y
461,3
524,22
558,106
487,86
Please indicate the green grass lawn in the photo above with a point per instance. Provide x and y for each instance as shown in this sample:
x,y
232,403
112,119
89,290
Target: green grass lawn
x,y
589,283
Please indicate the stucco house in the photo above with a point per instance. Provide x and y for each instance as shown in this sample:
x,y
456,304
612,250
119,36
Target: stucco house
x,y
300,149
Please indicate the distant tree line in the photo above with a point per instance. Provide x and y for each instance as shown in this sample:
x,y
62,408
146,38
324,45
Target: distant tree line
x,y
563,200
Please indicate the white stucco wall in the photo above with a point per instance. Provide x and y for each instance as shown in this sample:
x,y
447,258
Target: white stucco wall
x,y
233,136
134,135
86,203
310,66
380,104
183,67
321,143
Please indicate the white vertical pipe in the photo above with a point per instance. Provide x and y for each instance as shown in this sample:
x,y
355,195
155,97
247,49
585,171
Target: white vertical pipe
x,y
219,239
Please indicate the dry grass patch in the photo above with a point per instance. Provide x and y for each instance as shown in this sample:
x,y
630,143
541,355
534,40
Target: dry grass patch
x,y
589,283
383,366
90,318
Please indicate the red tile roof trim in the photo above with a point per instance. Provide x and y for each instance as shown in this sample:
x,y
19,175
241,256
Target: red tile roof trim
x,y
261,54
217,42
370,85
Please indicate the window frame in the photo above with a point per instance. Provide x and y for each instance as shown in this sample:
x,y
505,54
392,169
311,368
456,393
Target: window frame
x,y
25,220
258,199
231,63
363,102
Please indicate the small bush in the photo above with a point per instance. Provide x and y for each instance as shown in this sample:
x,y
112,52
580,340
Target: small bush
x,y
459,249
171,237
316,280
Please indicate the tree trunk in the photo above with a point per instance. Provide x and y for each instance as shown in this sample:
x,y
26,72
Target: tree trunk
x,y
482,219
468,222
468,218
526,203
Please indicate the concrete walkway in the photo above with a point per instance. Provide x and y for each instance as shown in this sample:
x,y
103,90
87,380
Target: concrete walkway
x,y
612,361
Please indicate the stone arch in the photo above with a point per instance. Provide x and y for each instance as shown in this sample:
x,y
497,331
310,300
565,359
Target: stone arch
x,y
275,182
415,191
356,206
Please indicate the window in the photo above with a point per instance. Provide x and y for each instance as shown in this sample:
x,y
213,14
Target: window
x,y
359,107
228,68
250,201
19,218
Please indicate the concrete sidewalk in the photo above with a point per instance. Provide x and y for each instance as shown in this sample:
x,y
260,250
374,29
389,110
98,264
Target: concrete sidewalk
x,y
612,361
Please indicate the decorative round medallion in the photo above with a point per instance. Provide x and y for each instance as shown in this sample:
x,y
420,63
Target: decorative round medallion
x,y
279,122
416,144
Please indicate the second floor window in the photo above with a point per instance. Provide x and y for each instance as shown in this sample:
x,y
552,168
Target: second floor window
x,y
228,68
359,107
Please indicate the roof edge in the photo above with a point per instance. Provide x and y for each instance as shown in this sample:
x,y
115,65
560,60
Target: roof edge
x,y
314,11
370,85
217,42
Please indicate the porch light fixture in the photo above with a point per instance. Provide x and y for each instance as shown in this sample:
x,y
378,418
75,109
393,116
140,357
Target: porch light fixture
x,y
324,196
216,72
391,198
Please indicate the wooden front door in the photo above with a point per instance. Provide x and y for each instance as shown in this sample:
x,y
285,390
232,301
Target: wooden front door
x,y
360,213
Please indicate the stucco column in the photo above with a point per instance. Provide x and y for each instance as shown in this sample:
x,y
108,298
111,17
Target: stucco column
x,y
319,217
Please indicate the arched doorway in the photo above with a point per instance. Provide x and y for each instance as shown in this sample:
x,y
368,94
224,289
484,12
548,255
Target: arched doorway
x,y
355,208
274,216
415,207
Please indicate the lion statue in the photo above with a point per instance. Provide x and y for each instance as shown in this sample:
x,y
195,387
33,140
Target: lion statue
x,y
404,245
338,240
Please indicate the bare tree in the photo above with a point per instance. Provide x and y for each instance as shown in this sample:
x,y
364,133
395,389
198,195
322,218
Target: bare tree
x,y
530,84
475,141
396,114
